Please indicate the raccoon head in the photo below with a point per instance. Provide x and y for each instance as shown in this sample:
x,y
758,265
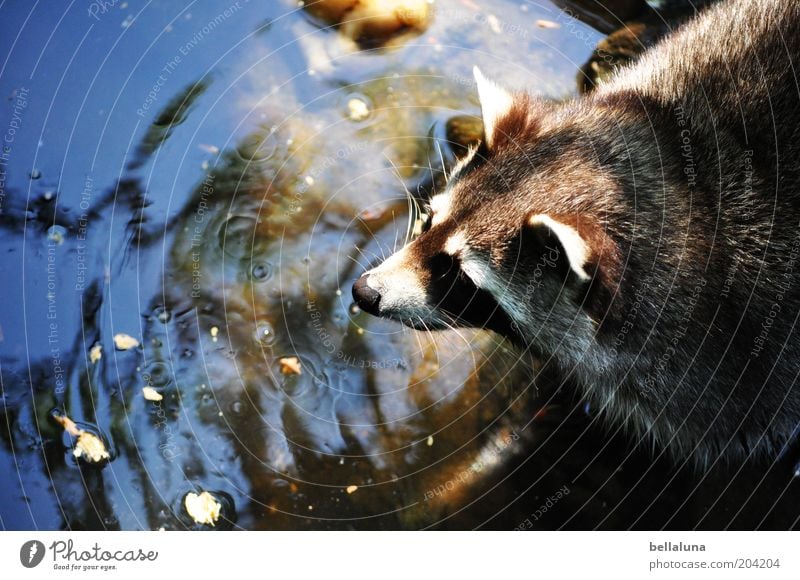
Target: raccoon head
x,y
515,243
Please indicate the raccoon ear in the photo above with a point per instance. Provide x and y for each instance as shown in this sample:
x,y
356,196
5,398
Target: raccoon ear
x,y
496,102
575,248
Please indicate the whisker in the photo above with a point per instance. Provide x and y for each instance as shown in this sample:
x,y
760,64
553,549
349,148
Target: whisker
x,y
432,340
369,260
424,328
410,200
451,325
396,234
359,264
433,177
441,158
418,336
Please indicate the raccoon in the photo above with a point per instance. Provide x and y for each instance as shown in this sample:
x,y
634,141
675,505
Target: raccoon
x,y
644,239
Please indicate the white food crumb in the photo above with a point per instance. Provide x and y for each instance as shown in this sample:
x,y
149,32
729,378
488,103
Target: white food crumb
x,y
203,508
90,447
358,110
494,24
124,341
151,394
95,353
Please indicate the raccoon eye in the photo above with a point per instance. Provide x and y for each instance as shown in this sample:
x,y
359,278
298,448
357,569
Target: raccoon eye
x,y
443,265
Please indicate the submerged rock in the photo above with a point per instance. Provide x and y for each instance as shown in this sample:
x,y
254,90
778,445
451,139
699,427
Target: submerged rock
x,y
462,132
373,23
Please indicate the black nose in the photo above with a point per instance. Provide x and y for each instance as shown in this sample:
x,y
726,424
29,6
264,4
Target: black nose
x,y
366,297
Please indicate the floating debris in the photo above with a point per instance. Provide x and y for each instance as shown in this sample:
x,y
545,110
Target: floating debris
x,y
261,272
91,447
494,24
151,394
430,441
548,24
214,333
265,335
125,341
96,352
357,109
163,314
351,488
371,214
290,365
212,149
56,235
202,507
88,446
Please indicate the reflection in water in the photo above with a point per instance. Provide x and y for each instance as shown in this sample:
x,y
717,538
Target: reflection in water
x,y
222,231
165,123
256,272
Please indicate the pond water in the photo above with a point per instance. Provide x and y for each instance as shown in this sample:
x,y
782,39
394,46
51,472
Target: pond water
x,y
209,179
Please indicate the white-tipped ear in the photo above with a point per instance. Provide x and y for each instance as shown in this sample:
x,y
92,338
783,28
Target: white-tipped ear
x,y
575,248
496,102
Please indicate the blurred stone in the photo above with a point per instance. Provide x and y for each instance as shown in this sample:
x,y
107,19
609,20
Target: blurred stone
x,y
463,131
373,23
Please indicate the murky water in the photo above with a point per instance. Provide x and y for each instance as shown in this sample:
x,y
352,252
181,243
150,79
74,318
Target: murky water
x,y
209,180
